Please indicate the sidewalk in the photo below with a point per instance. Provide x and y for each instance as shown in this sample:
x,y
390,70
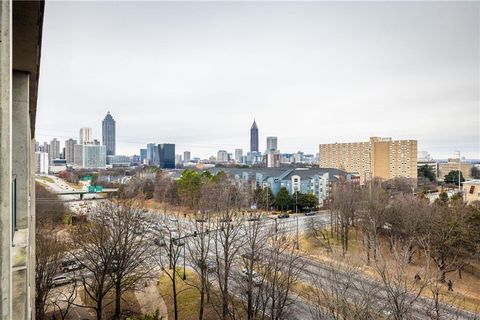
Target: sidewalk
x,y
150,300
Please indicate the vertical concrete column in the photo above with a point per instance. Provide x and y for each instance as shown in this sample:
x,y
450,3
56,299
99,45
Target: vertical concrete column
x,y
5,161
21,174
21,140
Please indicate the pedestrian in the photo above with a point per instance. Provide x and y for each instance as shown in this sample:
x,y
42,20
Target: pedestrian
x,y
417,277
450,285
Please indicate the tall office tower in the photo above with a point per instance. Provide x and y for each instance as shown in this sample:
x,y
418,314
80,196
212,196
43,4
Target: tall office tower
x,y
108,134
37,146
70,150
143,155
186,156
54,150
254,137
152,154
238,155
222,156
271,144
85,135
166,155
378,158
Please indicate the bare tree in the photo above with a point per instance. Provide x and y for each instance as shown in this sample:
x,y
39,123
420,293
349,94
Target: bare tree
x,y
402,292
199,248
345,202
96,251
228,240
131,248
373,215
252,257
63,300
171,239
342,294
48,258
281,269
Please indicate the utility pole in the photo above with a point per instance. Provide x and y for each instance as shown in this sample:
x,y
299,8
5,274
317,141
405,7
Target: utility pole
x,y
184,274
296,200
298,247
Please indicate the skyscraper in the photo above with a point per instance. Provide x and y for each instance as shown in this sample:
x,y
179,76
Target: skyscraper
x,y
70,150
108,134
186,156
271,144
254,137
152,154
54,150
166,152
85,135
238,155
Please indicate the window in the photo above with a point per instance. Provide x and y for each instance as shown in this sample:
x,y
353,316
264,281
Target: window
x,y
14,205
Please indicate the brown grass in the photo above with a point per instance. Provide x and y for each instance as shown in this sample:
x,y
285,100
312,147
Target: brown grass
x,y
466,293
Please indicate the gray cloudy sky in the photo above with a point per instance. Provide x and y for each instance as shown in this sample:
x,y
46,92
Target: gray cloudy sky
x,y
197,73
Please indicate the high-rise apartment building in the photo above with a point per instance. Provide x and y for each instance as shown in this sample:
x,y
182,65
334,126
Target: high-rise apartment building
x,y
108,134
238,155
222,156
85,135
254,137
378,158
41,162
186,156
90,156
271,144
166,155
54,152
70,150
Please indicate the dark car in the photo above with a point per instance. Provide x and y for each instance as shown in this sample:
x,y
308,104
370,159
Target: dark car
x,y
283,216
253,218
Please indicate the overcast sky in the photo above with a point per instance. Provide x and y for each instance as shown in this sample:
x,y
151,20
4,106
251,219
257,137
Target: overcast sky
x,y
197,73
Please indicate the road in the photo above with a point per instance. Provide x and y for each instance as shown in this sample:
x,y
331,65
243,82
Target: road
x,y
312,270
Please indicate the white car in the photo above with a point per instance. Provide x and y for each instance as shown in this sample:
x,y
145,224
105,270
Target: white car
x,y
256,278
61,279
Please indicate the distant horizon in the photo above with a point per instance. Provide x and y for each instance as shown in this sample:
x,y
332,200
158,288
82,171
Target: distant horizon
x,y
62,140
197,73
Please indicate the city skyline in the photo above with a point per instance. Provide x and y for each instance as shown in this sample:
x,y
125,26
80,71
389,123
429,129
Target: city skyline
x,y
413,76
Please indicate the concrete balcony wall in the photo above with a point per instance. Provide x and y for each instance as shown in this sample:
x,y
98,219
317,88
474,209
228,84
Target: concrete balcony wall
x,y
5,162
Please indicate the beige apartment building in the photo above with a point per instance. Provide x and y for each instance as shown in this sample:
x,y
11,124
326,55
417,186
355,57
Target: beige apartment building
x,y
454,164
379,157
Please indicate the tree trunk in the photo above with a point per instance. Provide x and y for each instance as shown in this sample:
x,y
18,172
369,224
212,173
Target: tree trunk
x,y
443,272
99,310
174,289
118,299
202,297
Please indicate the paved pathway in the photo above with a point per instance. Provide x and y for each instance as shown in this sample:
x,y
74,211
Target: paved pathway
x,y
150,300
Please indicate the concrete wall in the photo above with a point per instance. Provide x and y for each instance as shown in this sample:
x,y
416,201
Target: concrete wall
x,y
5,164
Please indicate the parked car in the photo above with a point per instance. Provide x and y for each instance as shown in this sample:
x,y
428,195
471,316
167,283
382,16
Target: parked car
x,y
310,213
61,279
283,216
256,278
71,265
253,218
